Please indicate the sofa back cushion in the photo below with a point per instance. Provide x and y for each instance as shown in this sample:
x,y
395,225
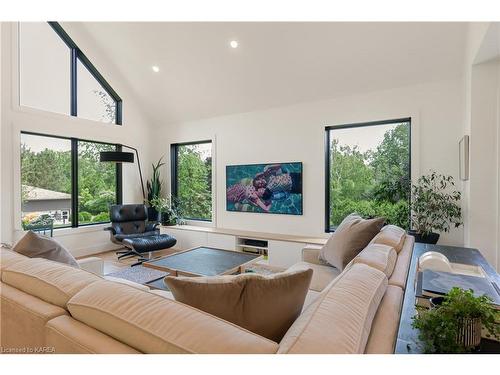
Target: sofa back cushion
x,y
391,235
50,281
400,273
381,257
153,324
9,257
339,321
266,305
351,236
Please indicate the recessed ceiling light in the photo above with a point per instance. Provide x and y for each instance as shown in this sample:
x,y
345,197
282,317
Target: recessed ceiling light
x,y
155,68
233,43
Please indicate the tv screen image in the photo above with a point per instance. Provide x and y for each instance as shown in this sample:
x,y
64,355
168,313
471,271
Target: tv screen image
x,y
266,188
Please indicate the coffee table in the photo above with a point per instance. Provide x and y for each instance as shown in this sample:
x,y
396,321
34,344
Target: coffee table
x,y
203,261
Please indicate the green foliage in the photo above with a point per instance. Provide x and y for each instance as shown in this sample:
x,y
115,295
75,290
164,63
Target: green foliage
x,y
102,217
51,170
194,188
167,209
154,184
434,206
374,183
439,326
84,217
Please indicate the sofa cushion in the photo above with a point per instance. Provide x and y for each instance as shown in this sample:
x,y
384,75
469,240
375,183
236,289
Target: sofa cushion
x,y
153,324
322,274
391,235
381,257
50,281
400,273
350,237
8,257
386,323
340,319
22,320
69,336
35,245
266,305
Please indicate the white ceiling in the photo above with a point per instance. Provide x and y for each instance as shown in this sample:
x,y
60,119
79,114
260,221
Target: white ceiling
x,y
276,64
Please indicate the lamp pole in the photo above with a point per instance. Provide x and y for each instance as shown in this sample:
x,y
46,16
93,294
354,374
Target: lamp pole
x,y
140,171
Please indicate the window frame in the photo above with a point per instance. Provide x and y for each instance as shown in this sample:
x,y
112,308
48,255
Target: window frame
x,y
74,177
174,147
328,228
76,55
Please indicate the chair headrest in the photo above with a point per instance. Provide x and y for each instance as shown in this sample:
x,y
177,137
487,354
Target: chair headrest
x,y
127,212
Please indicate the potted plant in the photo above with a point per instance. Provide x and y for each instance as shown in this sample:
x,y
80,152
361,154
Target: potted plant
x,y
455,325
168,215
434,207
154,190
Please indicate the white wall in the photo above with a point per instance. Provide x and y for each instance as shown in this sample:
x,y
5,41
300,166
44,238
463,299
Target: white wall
x,y
135,132
296,133
482,123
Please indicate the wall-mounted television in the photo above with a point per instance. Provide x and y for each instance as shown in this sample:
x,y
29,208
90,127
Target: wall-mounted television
x,y
274,188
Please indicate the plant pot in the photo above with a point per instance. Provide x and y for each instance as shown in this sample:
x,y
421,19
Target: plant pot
x,y
153,214
430,238
166,220
469,334
436,301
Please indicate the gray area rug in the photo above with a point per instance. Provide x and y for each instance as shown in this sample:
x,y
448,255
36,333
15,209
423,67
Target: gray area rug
x,y
138,274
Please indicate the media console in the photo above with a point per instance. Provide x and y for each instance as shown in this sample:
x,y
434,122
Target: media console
x,y
281,250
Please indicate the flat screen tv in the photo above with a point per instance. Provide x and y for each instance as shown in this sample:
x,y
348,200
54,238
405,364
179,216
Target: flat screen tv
x,y
265,188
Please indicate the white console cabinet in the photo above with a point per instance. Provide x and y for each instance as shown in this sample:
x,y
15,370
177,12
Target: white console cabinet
x,y
282,250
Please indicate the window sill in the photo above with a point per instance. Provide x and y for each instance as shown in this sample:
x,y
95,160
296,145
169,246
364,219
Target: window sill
x,y
63,232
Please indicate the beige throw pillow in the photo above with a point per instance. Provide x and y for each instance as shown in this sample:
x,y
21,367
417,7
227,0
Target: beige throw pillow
x,y
350,237
265,305
35,245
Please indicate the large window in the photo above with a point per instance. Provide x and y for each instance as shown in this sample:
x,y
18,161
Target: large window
x,y
56,76
368,171
192,179
62,180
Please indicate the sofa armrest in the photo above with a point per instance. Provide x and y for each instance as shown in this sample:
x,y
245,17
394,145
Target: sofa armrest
x,y
310,254
92,264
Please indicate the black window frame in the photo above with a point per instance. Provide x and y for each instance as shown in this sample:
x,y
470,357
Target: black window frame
x,y
76,55
74,177
328,228
174,148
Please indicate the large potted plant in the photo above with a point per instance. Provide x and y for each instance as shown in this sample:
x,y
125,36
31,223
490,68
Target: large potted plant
x,y
154,190
164,207
455,325
435,207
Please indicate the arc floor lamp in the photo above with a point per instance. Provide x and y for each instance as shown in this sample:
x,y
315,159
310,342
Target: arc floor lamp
x,y
123,157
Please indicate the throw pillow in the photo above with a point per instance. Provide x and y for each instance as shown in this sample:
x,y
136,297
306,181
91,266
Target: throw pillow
x,y
265,305
350,237
35,245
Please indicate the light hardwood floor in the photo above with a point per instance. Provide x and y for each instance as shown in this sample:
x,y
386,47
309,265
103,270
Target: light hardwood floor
x,y
112,264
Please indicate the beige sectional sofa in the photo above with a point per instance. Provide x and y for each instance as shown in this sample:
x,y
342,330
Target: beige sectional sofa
x,y
50,307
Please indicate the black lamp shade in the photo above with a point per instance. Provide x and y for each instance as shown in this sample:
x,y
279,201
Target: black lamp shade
x,y
116,156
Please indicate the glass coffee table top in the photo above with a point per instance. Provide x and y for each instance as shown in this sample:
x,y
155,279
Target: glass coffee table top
x,y
203,261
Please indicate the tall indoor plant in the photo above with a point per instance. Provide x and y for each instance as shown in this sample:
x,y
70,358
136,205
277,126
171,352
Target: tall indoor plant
x,y
435,206
154,190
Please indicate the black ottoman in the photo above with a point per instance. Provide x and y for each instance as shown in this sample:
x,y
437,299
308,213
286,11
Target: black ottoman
x,y
148,244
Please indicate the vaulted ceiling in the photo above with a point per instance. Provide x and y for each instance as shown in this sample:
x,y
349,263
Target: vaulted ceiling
x,y
275,64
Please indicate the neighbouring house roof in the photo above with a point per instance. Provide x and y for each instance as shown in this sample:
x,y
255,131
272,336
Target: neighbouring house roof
x,y
39,194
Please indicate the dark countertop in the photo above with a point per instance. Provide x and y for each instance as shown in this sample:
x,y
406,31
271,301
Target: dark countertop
x,y
407,339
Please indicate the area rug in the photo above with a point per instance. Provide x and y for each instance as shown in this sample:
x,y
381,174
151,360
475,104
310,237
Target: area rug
x,y
138,274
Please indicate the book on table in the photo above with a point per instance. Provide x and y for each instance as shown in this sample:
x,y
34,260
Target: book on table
x,y
436,284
